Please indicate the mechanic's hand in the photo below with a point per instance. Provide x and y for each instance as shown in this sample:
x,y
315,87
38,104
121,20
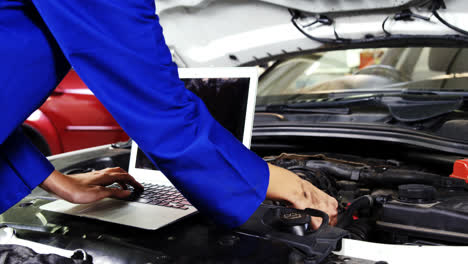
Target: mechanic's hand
x,y
90,187
285,185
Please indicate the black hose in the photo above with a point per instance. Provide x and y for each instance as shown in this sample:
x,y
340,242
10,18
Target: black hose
x,y
398,177
346,218
365,175
342,171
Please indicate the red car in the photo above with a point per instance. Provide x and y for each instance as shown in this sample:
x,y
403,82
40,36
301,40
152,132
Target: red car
x,y
72,118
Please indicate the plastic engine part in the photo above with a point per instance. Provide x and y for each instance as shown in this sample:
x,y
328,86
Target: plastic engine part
x,y
460,170
445,220
416,193
281,224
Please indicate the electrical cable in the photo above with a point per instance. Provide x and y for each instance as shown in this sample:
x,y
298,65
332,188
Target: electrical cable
x,y
383,27
388,36
295,16
443,21
405,15
346,218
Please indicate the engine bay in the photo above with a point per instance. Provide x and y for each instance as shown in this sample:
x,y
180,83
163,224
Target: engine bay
x,y
387,201
399,196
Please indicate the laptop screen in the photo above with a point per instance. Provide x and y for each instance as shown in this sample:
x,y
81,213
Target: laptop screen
x,y
226,99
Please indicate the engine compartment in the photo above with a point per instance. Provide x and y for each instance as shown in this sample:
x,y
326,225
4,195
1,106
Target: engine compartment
x,y
387,200
388,193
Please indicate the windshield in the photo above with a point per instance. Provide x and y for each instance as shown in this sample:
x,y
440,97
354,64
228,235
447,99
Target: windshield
x,y
365,70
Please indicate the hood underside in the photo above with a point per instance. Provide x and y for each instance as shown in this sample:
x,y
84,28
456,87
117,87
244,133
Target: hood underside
x,y
205,33
307,5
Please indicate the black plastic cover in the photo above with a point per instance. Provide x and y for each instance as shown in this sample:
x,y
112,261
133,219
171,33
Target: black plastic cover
x,y
416,193
266,223
418,108
445,220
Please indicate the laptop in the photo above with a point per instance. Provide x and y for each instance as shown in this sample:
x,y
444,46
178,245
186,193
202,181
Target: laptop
x,y
229,94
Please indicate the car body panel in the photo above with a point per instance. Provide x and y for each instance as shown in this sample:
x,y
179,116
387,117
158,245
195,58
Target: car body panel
x,y
43,125
79,119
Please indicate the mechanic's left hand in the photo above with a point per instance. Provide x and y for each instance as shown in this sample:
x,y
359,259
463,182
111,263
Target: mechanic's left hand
x,y
90,187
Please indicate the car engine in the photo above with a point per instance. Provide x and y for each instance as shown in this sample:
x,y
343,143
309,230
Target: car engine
x,y
387,201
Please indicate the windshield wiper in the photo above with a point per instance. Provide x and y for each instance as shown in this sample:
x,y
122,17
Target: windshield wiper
x,y
303,109
327,106
454,93
405,107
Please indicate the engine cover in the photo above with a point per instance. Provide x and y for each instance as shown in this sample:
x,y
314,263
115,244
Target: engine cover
x,y
444,219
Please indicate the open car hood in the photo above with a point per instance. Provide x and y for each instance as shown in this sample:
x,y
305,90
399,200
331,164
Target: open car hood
x,y
233,33
307,5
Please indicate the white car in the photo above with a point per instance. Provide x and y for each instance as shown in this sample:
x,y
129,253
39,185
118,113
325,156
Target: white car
x,y
368,98
365,99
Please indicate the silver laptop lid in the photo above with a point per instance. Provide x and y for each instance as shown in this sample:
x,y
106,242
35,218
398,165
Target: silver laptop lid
x,y
228,93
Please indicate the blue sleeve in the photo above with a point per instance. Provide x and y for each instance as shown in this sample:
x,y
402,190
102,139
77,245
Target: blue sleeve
x,y
22,168
118,49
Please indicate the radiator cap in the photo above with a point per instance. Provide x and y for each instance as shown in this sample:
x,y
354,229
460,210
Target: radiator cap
x,y
416,193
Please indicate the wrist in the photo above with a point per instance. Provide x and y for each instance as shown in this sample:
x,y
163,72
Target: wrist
x,y
56,183
284,185
49,182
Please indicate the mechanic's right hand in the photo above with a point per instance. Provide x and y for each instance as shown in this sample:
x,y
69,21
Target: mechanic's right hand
x,y
90,187
287,186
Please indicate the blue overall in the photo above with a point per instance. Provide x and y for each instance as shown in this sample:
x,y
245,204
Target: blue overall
x,y
118,49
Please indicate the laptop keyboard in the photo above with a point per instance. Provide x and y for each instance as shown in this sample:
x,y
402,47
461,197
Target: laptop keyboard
x,y
156,194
